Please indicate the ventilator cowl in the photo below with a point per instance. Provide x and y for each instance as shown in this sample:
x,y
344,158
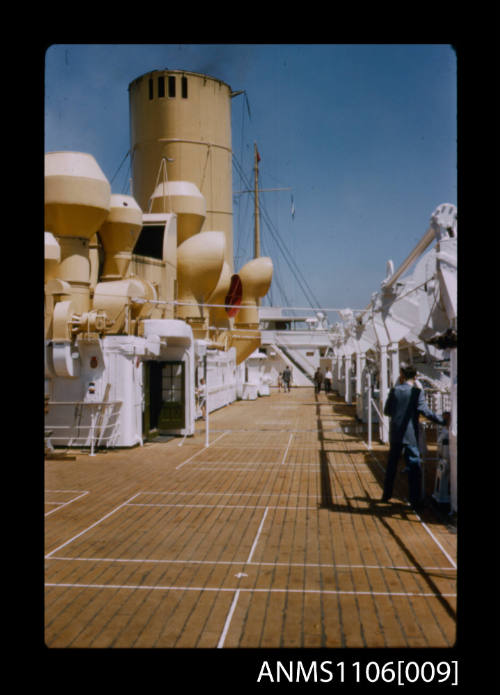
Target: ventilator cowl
x,y
119,233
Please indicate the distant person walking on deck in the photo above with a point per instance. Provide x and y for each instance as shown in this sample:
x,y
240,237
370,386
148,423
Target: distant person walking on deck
x,y
287,377
328,381
403,405
318,380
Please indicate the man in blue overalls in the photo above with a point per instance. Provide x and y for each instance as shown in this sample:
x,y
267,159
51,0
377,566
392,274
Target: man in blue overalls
x,y
404,404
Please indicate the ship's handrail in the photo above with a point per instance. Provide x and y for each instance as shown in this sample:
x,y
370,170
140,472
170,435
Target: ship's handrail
x,y
438,400
84,403
428,393
95,431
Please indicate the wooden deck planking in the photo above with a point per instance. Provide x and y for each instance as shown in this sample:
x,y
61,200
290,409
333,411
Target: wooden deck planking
x,y
270,537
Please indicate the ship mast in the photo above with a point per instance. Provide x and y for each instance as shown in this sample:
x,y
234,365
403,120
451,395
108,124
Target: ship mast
x,y
256,195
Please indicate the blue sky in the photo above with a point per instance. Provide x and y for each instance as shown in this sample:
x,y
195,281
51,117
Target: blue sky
x,y
364,135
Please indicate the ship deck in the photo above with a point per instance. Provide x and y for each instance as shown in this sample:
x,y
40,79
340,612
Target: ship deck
x,y
273,536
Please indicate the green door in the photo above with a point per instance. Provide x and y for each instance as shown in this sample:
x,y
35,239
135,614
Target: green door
x,y
172,415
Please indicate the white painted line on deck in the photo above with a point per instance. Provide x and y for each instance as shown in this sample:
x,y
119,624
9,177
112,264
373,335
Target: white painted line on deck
x,y
205,467
198,452
286,451
257,536
257,448
200,465
228,620
448,557
219,506
238,463
237,493
92,525
245,562
291,464
63,504
281,429
149,587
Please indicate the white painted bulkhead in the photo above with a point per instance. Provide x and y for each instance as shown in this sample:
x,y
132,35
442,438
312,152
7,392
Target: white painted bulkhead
x,y
221,378
103,404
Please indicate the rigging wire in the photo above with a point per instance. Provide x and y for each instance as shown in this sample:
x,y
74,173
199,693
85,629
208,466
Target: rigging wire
x,y
309,295
121,164
126,182
276,281
274,232
289,258
291,261
242,149
174,302
277,272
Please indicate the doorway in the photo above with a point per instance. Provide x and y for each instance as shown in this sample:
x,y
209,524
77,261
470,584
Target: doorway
x,y
164,397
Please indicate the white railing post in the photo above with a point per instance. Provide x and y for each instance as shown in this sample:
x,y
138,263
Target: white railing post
x,y
358,375
347,379
383,421
92,429
369,410
376,410
206,404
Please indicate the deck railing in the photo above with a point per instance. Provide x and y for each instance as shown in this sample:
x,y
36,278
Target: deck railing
x,y
91,424
439,401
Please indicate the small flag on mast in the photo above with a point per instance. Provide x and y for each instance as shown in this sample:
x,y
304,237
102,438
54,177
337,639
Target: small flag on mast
x,y
293,208
257,153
